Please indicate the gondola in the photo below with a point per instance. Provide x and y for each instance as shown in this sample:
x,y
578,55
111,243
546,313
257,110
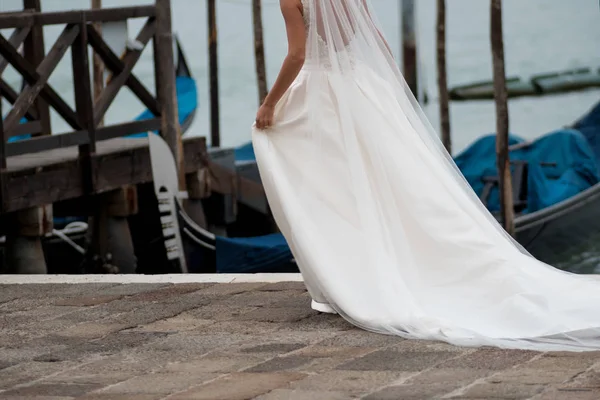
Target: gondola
x,y
65,246
538,85
556,191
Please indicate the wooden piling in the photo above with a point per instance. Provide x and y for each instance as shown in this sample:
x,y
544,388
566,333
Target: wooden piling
x,y
502,121
443,75
98,65
409,46
33,49
259,50
166,89
215,136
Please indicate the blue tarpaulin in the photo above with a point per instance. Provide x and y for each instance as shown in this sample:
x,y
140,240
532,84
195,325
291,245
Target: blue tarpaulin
x,y
252,254
245,152
576,167
187,102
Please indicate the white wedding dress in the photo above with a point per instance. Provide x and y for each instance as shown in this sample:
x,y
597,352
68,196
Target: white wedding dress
x,y
383,226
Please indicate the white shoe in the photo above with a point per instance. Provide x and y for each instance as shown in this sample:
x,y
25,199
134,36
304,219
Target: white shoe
x,y
322,307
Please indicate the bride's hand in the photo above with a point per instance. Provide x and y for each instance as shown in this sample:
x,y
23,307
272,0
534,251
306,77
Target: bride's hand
x,y
264,116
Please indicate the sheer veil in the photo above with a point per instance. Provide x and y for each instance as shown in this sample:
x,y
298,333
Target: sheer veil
x,y
343,38
409,249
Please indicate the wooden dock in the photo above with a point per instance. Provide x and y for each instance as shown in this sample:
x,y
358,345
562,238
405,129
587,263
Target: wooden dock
x,y
94,169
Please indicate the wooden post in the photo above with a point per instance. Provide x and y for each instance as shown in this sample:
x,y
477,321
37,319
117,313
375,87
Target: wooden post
x,y
443,75
409,46
259,50
166,89
98,71
215,136
501,98
34,51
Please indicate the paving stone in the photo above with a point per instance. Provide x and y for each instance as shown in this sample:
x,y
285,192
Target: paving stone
x,y
28,372
158,383
217,362
281,364
287,394
413,392
360,338
495,359
277,314
322,322
504,391
179,323
279,286
51,389
191,345
129,289
87,301
91,330
228,289
170,291
386,360
239,386
581,394
355,382
561,363
586,380
115,396
38,398
463,376
257,298
116,365
279,348
219,312
530,376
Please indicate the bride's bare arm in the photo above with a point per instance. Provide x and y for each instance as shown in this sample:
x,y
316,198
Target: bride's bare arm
x,y
296,33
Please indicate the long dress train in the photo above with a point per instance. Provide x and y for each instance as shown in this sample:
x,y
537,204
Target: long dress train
x,y
381,225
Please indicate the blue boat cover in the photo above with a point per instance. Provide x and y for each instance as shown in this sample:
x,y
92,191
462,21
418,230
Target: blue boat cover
x,y
589,126
245,153
576,167
252,254
187,102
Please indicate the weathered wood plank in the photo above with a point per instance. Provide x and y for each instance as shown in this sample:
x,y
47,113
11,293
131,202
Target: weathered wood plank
x,y
53,176
78,138
117,66
15,39
33,52
11,96
83,104
32,127
32,77
21,19
46,143
166,91
129,60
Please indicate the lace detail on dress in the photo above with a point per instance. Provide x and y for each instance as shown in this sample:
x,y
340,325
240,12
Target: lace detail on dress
x,y
321,59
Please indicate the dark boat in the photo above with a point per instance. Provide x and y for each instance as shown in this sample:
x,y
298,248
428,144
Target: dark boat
x,y
538,85
556,191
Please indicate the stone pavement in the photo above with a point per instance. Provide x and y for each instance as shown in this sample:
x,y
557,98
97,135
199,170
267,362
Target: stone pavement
x,y
235,341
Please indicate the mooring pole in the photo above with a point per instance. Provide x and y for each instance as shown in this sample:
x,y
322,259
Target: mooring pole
x,y
409,46
98,65
259,50
443,75
166,89
502,121
215,136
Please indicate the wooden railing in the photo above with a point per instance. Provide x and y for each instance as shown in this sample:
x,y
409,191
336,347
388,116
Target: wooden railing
x,y
37,95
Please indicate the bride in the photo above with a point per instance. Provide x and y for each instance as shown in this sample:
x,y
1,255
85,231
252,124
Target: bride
x,y
383,226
